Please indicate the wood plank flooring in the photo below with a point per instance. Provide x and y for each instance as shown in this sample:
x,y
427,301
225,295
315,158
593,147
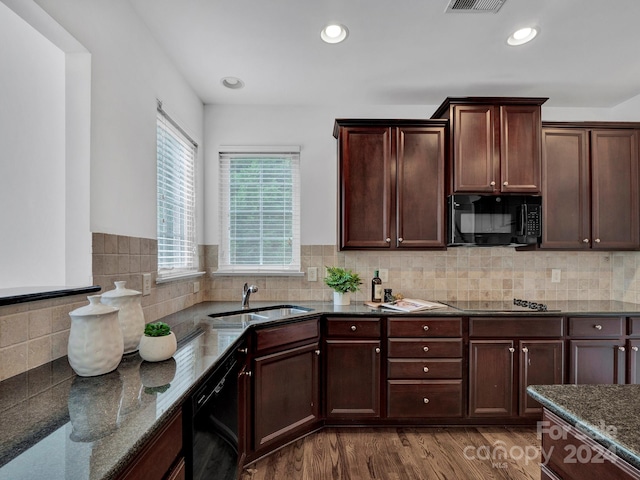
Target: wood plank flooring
x,y
405,454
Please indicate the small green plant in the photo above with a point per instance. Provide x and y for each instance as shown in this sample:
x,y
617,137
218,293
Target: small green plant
x,y
341,280
157,329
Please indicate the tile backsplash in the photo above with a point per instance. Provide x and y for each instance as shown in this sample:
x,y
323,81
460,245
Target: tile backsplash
x,y
34,333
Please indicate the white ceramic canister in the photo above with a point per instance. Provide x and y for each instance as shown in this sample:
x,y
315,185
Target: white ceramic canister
x,y
130,316
95,340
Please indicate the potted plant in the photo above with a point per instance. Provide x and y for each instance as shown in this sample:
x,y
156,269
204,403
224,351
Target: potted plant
x,y
343,282
158,342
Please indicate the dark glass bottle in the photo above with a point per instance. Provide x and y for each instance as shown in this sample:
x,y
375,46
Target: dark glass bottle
x,y
376,288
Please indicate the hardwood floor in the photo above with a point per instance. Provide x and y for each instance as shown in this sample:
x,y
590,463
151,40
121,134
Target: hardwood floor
x,y
405,454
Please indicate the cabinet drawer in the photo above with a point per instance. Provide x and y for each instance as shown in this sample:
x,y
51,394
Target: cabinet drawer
x,y
287,334
425,347
427,368
425,327
353,327
427,398
596,326
495,327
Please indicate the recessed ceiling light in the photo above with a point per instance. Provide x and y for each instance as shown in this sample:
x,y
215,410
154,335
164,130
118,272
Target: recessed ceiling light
x,y
522,36
334,33
232,82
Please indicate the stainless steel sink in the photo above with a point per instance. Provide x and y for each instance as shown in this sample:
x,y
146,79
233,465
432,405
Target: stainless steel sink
x,y
258,315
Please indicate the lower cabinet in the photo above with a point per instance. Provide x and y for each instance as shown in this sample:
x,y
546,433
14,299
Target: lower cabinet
x,y
597,361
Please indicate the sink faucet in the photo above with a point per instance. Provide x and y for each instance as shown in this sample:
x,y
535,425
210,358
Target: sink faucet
x,y
246,293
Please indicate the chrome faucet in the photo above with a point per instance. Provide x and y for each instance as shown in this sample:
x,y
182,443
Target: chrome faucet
x,y
246,293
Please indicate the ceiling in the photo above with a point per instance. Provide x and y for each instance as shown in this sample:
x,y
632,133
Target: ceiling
x,y
400,52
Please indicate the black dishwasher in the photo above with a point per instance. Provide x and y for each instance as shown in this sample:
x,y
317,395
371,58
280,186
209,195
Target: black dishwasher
x,y
212,443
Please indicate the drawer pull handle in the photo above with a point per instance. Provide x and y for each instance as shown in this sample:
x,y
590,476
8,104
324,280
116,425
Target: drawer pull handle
x,y
317,352
598,327
525,349
511,349
621,349
377,349
635,349
353,328
425,400
425,327
425,369
425,349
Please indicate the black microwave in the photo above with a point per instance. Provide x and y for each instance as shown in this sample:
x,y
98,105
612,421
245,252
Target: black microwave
x,y
490,220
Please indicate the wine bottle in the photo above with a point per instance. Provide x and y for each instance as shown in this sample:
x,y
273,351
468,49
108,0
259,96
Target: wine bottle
x,y
376,288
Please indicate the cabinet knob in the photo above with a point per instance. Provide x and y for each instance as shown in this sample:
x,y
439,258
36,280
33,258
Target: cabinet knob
x,y
586,240
425,349
425,400
506,184
425,327
246,372
635,349
353,328
425,369
388,240
511,349
598,327
525,349
622,349
377,349
493,184
597,240
400,239
243,350
317,352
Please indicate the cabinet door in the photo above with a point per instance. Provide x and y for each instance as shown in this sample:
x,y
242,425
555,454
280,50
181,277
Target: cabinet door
x,y
566,195
520,158
633,372
596,361
420,187
491,377
365,188
286,398
352,378
541,363
614,185
476,166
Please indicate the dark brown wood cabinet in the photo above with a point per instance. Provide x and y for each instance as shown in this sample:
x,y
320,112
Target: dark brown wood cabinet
x,y
591,186
352,368
391,183
286,399
495,144
501,369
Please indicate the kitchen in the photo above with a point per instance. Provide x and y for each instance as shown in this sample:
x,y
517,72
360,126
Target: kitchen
x,y
124,222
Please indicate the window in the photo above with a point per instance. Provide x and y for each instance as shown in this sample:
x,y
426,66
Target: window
x,y
260,210
177,241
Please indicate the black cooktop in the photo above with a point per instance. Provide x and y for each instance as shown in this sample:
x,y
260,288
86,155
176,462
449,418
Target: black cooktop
x,y
517,305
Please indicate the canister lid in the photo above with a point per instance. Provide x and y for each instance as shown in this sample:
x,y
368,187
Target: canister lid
x,y
121,291
94,308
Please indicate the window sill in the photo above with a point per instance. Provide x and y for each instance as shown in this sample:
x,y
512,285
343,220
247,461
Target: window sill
x,y
178,276
255,273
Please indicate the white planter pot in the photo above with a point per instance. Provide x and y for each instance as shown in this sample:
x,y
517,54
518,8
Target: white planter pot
x,y
95,340
158,349
130,315
342,298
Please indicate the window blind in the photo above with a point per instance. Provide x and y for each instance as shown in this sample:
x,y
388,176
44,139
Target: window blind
x,y
176,156
260,211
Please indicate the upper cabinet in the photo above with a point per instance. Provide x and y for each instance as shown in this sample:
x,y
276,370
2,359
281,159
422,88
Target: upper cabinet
x,y
391,183
591,186
495,144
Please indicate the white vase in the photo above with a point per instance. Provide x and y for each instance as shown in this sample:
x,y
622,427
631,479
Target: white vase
x,y
342,298
130,316
157,349
95,340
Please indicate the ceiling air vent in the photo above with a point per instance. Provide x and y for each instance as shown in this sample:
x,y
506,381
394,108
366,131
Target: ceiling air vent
x,y
474,6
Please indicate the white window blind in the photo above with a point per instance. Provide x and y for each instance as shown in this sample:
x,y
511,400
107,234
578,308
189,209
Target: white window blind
x,y
260,210
177,241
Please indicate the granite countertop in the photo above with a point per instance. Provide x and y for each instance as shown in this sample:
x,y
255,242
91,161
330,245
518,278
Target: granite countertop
x,y
609,414
55,424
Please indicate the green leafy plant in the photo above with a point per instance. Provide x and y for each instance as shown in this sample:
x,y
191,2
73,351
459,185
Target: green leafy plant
x,y
157,329
341,280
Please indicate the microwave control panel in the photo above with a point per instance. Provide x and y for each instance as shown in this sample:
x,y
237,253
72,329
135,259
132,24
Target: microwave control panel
x,y
533,220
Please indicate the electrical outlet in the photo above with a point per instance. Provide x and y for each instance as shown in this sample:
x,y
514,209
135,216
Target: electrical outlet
x,y
312,274
555,275
196,287
146,284
383,273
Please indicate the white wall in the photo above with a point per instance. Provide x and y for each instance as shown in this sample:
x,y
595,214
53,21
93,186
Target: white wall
x,y
129,72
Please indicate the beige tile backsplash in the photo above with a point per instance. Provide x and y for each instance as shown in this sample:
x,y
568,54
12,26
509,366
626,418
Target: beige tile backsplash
x,y
33,334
